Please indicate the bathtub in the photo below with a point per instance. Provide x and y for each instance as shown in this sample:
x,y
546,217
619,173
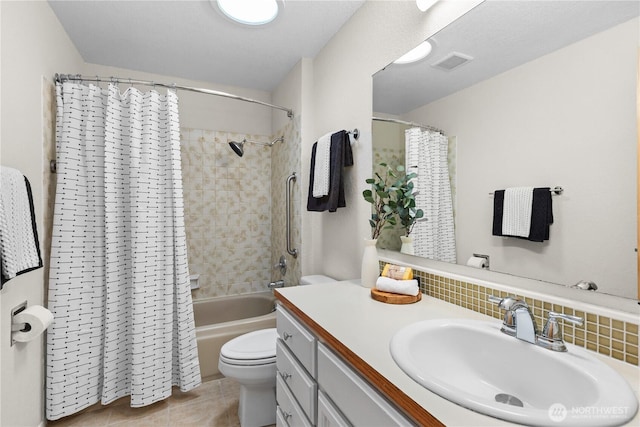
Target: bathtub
x,y
220,319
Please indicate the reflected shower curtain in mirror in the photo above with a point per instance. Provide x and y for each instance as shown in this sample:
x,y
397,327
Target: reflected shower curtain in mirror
x,y
426,155
119,285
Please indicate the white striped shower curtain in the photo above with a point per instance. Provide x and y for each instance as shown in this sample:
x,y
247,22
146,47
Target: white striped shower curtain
x,y
119,285
426,155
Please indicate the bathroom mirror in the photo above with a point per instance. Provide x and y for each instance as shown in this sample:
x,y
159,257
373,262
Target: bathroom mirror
x,y
545,98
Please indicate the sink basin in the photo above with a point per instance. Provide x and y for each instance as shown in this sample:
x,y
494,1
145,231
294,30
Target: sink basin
x,y
473,364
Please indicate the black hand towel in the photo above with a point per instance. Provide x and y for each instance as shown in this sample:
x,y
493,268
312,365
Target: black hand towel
x,y
498,204
340,157
541,214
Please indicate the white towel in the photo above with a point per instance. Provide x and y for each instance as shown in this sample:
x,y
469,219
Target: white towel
x,y
321,170
19,249
405,287
516,211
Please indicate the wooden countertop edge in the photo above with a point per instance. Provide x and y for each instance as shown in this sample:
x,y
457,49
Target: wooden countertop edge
x,y
412,409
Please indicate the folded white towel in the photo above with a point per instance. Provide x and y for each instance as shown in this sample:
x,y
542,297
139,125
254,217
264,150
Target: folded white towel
x,y
321,169
18,239
405,287
516,211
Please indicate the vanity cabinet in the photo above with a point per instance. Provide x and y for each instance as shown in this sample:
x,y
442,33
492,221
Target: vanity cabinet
x,y
316,387
296,386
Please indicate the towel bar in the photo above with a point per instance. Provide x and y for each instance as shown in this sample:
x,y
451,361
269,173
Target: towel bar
x,y
555,191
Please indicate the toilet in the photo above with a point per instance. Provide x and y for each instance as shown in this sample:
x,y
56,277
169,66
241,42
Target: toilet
x,y
250,359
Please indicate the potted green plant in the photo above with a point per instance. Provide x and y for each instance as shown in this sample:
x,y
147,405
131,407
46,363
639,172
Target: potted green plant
x,y
382,198
383,215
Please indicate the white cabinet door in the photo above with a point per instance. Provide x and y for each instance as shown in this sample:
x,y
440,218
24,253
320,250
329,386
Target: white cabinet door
x,y
357,400
329,415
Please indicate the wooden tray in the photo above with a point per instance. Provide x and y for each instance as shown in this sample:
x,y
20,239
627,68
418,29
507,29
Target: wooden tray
x,y
389,298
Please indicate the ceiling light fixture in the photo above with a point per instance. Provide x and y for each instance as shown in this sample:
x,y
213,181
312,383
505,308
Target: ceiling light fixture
x,y
415,54
424,5
249,12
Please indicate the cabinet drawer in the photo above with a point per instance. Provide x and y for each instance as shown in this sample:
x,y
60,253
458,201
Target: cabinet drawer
x,y
328,414
301,385
280,421
290,411
360,403
298,339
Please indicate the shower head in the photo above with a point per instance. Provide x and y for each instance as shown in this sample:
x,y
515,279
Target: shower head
x,y
238,147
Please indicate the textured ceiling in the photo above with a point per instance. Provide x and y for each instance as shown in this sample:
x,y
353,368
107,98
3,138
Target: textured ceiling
x,y
193,40
499,35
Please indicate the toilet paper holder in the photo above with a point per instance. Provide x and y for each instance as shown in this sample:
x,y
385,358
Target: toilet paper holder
x,y
486,257
18,327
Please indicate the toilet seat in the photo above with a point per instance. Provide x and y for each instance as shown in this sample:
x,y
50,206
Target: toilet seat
x,y
253,348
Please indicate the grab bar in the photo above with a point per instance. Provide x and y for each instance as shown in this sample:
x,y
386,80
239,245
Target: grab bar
x,y
290,250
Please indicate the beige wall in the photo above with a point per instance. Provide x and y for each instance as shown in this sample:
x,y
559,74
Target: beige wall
x,y
379,32
33,45
553,123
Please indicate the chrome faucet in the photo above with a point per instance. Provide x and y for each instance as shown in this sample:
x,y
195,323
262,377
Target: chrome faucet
x,y
519,322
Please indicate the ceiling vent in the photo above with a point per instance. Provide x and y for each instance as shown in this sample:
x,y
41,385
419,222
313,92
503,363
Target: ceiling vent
x,y
452,61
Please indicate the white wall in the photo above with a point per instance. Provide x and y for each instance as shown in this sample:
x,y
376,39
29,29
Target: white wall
x,y
379,32
33,45
567,119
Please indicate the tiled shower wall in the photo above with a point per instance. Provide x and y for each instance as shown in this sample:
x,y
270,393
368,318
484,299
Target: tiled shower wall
x,y
227,212
285,159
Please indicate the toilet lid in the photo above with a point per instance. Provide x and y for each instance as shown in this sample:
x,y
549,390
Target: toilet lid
x,y
257,347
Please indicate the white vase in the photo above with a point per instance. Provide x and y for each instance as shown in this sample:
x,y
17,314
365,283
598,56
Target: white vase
x,y
407,245
370,266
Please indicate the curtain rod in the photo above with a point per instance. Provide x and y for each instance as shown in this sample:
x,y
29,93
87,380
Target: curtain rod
x,y
403,122
64,77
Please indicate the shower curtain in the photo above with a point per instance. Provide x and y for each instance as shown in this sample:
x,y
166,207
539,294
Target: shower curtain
x,y
119,285
426,154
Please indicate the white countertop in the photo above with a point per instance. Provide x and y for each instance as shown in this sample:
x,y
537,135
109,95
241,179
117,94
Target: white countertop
x,y
365,326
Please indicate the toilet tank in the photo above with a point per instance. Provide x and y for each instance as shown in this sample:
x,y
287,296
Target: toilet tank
x,y
315,279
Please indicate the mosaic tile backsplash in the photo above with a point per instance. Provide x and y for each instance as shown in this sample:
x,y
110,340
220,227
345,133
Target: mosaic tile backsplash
x,y
605,335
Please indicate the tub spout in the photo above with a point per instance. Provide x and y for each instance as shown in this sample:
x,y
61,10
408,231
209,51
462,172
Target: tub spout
x,y
276,284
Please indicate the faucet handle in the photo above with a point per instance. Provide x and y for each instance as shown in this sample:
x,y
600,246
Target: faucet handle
x,y
552,333
509,304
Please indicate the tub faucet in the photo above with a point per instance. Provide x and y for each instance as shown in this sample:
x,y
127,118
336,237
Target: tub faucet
x,y
276,284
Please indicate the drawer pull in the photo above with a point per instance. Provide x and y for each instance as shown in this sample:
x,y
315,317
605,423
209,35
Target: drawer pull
x,y
286,336
286,415
285,375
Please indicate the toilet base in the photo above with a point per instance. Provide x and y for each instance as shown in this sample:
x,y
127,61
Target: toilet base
x,y
257,405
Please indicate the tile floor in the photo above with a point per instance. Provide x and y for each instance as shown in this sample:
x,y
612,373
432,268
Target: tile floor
x,y
213,404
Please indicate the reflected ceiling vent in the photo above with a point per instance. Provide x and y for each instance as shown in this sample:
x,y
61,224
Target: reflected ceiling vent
x,y
452,61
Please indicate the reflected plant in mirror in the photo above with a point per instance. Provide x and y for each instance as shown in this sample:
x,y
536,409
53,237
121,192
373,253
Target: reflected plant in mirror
x,y
544,100
408,213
